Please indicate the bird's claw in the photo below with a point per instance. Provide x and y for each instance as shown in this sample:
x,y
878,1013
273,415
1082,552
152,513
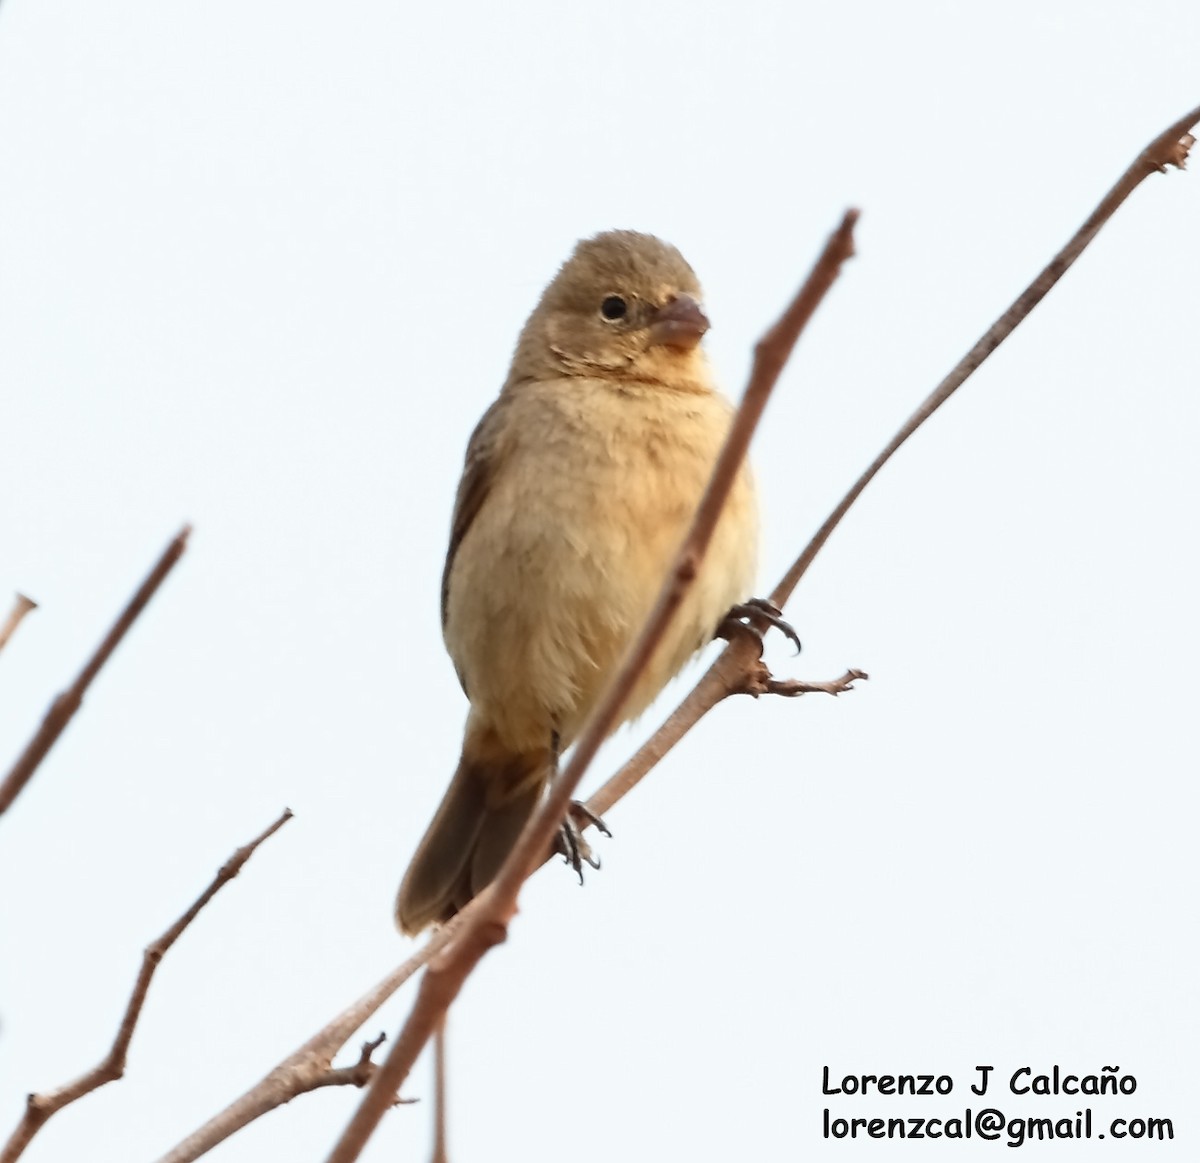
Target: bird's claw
x,y
580,811
575,850
756,608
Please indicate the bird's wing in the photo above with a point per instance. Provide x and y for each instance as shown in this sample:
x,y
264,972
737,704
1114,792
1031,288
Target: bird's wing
x,y
479,472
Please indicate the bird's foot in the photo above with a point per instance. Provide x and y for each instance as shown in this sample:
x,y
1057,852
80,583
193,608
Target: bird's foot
x,y
575,850
580,811
741,619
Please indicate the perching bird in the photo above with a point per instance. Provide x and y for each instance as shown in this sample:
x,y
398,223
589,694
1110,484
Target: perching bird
x,y
579,485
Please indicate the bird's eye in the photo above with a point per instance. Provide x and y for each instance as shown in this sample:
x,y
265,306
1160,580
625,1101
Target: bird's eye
x,y
613,308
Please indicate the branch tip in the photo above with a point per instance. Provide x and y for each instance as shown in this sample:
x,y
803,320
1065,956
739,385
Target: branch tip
x,y
20,607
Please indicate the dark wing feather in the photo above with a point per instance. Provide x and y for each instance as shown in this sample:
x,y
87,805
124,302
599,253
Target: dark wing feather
x,y
478,473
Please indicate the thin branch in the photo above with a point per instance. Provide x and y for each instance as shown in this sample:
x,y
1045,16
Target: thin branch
x,y
67,703
488,927
357,1075
1169,148
40,1107
770,356
20,607
439,1154
306,1068
790,688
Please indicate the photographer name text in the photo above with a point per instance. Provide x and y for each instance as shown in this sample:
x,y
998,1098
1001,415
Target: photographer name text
x,y
990,1123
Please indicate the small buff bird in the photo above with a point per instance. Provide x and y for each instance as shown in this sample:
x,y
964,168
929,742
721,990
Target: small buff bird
x,y
579,485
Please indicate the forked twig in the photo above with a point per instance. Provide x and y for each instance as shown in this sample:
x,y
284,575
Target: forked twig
x,y
67,703
311,1065
40,1107
357,1075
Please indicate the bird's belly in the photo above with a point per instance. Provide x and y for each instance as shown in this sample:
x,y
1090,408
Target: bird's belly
x,y
545,601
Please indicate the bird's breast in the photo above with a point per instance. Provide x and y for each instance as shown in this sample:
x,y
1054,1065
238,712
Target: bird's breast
x,y
595,489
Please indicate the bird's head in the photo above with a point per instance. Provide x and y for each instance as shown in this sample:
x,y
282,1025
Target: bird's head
x,y
624,306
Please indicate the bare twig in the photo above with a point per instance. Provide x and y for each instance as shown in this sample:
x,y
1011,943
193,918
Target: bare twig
x,y
1169,148
40,1107
357,1075
67,703
764,684
20,607
306,1068
770,355
488,927
439,1154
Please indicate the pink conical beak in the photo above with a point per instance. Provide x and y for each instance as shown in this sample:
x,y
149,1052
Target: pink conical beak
x,y
680,324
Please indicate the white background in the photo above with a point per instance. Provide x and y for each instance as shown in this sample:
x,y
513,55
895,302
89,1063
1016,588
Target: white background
x,y
261,268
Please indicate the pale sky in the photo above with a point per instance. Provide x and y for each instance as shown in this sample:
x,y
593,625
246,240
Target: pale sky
x,y
262,268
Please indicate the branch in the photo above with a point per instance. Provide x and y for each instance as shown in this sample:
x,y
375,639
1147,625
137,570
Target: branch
x,y
489,924
40,1107
308,1067
67,703
20,607
439,1153
1169,148
357,1075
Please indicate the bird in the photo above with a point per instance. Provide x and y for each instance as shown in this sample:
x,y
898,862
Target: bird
x,y
579,484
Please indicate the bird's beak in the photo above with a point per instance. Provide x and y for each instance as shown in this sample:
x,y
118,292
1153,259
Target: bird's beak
x,y
680,324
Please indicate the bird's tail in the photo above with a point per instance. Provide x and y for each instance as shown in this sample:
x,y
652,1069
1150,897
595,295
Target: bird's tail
x,y
474,829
